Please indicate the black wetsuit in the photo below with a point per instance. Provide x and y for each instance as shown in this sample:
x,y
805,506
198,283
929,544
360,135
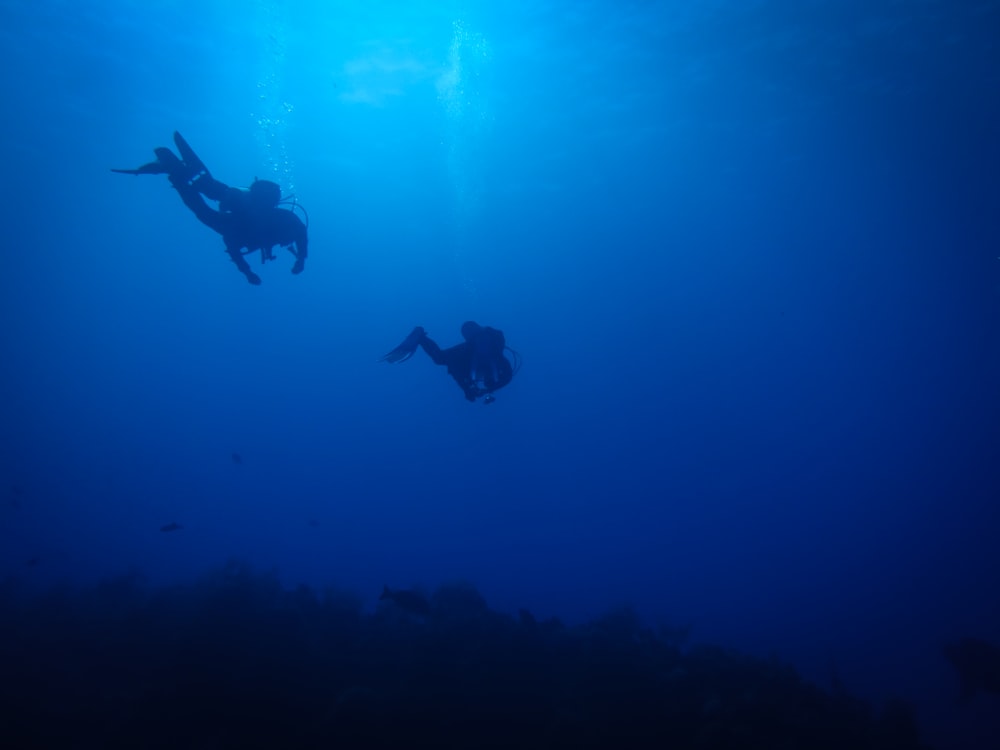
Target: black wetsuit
x,y
478,364
243,224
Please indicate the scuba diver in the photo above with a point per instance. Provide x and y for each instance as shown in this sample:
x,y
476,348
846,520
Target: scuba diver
x,y
478,364
248,219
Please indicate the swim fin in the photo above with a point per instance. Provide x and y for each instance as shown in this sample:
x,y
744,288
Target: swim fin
x,y
405,350
154,167
172,165
194,165
166,163
187,168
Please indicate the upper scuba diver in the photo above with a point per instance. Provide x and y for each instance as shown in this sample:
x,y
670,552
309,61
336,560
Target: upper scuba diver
x,y
248,219
478,364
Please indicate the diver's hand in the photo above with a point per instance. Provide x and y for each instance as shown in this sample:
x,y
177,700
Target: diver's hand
x,y
299,266
253,278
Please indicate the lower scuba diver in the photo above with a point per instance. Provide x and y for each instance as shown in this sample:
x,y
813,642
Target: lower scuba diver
x,y
248,219
479,364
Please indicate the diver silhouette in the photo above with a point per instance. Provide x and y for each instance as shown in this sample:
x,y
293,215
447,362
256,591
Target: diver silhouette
x,y
478,364
248,219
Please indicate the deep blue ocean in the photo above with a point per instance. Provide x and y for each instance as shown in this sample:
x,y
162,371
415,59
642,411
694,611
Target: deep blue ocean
x,y
747,251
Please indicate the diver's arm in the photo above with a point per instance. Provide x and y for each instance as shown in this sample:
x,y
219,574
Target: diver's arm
x,y
301,244
241,264
301,239
505,373
293,236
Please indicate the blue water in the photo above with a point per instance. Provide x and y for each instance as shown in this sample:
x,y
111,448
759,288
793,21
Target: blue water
x,y
748,252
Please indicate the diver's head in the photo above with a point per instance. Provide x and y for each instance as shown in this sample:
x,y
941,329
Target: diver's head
x,y
265,194
470,330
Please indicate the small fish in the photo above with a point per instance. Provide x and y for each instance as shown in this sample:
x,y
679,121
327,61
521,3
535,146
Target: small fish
x,y
33,562
171,527
314,523
237,458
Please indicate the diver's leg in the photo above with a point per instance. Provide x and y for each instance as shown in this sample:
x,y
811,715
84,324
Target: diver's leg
x,y
433,350
212,219
454,360
193,200
210,187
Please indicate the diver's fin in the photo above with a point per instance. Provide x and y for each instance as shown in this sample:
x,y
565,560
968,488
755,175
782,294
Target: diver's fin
x,y
405,350
194,165
169,161
179,174
166,163
154,167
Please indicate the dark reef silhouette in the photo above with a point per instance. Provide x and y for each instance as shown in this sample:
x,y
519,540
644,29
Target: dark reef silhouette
x,y
407,600
237,660
977,663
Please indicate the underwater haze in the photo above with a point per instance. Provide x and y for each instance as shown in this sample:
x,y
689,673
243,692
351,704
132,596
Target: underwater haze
x,y
747,251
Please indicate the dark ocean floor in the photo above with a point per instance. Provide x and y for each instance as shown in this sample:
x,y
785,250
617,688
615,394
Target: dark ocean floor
x,y
236,661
